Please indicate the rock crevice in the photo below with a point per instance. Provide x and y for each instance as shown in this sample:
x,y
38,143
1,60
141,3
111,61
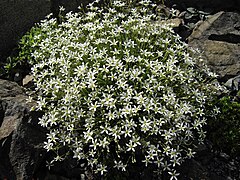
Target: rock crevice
x,y
230,38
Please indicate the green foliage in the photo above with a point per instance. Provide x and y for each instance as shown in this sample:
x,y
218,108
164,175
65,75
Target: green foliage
x,y
21,57
224,130
26,44
118,87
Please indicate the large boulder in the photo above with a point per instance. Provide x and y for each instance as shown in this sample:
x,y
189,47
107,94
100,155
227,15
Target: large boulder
x,y
219,39
21,138
18,16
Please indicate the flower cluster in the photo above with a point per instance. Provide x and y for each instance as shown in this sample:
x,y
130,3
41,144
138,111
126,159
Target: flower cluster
x,y
115,82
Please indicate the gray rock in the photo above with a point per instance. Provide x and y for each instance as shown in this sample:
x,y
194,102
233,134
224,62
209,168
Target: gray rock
x,y
21,138
9,89
27,81
233,84
219,39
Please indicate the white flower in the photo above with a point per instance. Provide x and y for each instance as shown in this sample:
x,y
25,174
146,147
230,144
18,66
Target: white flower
x,y
49,164
88,135
131,146
41,103
190,153
101,168
116,132
52,136
145,124
94,144
93,107
173,175
104,143
48,145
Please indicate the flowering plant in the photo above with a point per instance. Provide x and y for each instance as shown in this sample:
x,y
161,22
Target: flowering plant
x,y
117,81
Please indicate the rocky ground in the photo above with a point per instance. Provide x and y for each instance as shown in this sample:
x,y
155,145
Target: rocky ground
x,y
212,28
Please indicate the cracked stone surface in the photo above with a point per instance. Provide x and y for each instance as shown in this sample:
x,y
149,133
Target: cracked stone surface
x,y
21,138
219,39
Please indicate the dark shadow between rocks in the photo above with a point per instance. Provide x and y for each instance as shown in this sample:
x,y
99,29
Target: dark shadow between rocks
x,y
230,38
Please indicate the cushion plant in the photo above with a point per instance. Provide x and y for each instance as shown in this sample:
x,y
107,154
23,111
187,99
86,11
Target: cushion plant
x,y
115,81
